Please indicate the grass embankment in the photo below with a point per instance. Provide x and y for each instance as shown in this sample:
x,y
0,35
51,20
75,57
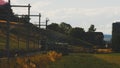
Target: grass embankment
x,y
13,41
88,61
14,44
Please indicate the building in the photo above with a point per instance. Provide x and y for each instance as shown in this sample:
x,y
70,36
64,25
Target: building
x,y
96,38
116,36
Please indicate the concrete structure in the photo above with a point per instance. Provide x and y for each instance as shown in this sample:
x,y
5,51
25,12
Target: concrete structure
x,y
116,36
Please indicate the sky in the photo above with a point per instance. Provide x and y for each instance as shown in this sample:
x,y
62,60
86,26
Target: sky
x,y
77,13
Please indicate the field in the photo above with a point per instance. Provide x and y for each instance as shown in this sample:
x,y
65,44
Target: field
x,y
88,61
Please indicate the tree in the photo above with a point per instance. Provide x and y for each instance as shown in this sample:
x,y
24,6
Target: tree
x,y
65,28
24,19
77,32
92,28
54,27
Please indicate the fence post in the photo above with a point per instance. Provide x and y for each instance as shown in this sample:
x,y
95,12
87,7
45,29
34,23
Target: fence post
x,y
8,41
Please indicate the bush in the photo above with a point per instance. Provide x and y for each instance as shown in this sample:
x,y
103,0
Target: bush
x,y
38,61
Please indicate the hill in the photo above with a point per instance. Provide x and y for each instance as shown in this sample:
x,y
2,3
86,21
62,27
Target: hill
x,y
107,37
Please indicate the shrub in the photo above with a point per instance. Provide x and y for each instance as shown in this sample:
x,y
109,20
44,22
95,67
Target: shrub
x,y
38,61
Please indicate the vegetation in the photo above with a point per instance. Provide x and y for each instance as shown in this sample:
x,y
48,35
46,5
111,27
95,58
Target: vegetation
x,y
63,27
92,28
77,33
32,61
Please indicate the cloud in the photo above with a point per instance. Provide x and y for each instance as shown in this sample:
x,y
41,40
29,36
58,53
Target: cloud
x,y
102,18
106,29
76,16
83,13
41,4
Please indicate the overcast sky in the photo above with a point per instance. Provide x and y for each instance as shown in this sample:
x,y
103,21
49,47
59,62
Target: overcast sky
x,y
78,13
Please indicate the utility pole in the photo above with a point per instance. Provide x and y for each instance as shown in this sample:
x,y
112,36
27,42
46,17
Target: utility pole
x,y
9,1
46,22
39,31
46,40
28,27
39,19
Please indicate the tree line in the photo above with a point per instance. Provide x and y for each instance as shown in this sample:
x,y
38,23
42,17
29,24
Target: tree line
x,y
95,38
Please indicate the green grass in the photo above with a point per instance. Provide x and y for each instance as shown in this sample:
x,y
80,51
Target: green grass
x,y
88,61
111,58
